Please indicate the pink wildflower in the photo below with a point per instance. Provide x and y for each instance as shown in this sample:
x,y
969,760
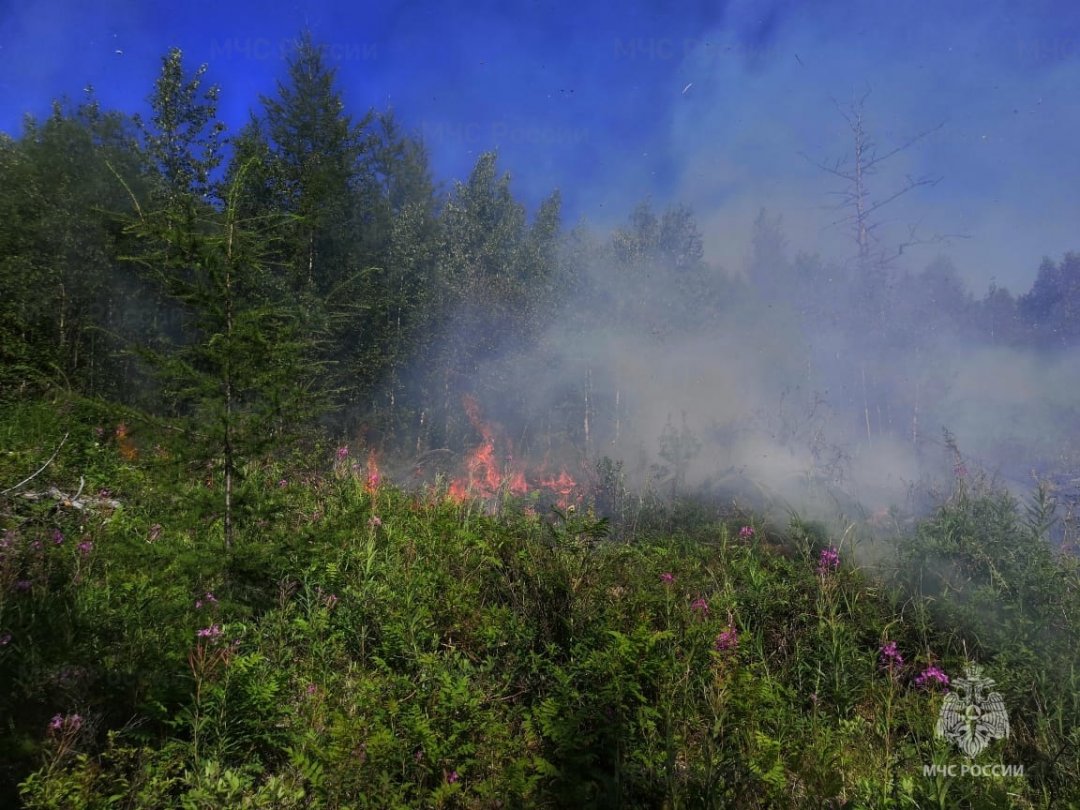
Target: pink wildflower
x,y
452,777
700,606
828,561
60,723
746,532
728,640
667,578
930,676
890,656
213,631
375,522
85,547
342,453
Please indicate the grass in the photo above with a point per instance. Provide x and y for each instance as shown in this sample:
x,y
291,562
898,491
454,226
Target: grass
x,y
370,647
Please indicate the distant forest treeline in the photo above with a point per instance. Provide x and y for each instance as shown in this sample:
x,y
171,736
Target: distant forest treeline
x,y
311,258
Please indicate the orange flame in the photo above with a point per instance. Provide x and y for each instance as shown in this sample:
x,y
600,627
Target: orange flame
x,y
128,450
562,485
371,483
485,477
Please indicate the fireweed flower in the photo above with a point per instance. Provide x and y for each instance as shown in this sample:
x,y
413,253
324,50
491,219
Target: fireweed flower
x,y
700,606
452,777
211,632
746,532
930,676
375,522
57,537
282,483
60,723
728,640
85,547
828,561
342,453
667,578
890,656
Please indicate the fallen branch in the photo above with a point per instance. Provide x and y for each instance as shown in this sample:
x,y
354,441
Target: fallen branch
x,y
43,466
75,501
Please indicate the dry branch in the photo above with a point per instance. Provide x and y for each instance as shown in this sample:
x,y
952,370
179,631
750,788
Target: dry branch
x,y
76,501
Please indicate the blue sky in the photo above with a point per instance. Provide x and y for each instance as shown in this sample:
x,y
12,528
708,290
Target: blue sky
x,y
708,103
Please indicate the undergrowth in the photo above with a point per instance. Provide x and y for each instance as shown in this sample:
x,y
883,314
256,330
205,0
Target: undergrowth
x,y
367,647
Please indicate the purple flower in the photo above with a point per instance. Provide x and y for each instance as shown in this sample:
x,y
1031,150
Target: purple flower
x,y
211,598
452,777
890,656
85,547
311,689
728,640
213,631
282,483
828,561
342,453
746,532
60,723
375,522
57,537
930,676
667,578
700,606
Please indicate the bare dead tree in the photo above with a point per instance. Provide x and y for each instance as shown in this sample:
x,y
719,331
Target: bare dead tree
x,y
861,208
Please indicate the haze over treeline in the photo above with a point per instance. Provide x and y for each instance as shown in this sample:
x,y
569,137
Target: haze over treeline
x,y
310,269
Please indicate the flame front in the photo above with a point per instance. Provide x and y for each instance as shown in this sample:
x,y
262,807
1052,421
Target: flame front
x,y
485,476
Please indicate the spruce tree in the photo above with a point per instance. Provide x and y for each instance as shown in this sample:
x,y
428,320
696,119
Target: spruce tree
x,y
240,375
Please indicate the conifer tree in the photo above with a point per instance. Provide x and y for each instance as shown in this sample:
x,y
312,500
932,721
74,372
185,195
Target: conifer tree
x,y
241,375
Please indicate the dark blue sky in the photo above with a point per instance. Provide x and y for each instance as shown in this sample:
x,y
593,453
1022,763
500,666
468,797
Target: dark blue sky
x,y
709,103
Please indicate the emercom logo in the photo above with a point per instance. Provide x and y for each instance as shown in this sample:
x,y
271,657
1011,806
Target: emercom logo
x,y
973,715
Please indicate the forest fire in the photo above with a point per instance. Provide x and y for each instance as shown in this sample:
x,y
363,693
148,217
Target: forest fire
x,y
371,482
486,476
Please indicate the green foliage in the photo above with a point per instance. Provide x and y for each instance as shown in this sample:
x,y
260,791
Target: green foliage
x,y
368,647
438,656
